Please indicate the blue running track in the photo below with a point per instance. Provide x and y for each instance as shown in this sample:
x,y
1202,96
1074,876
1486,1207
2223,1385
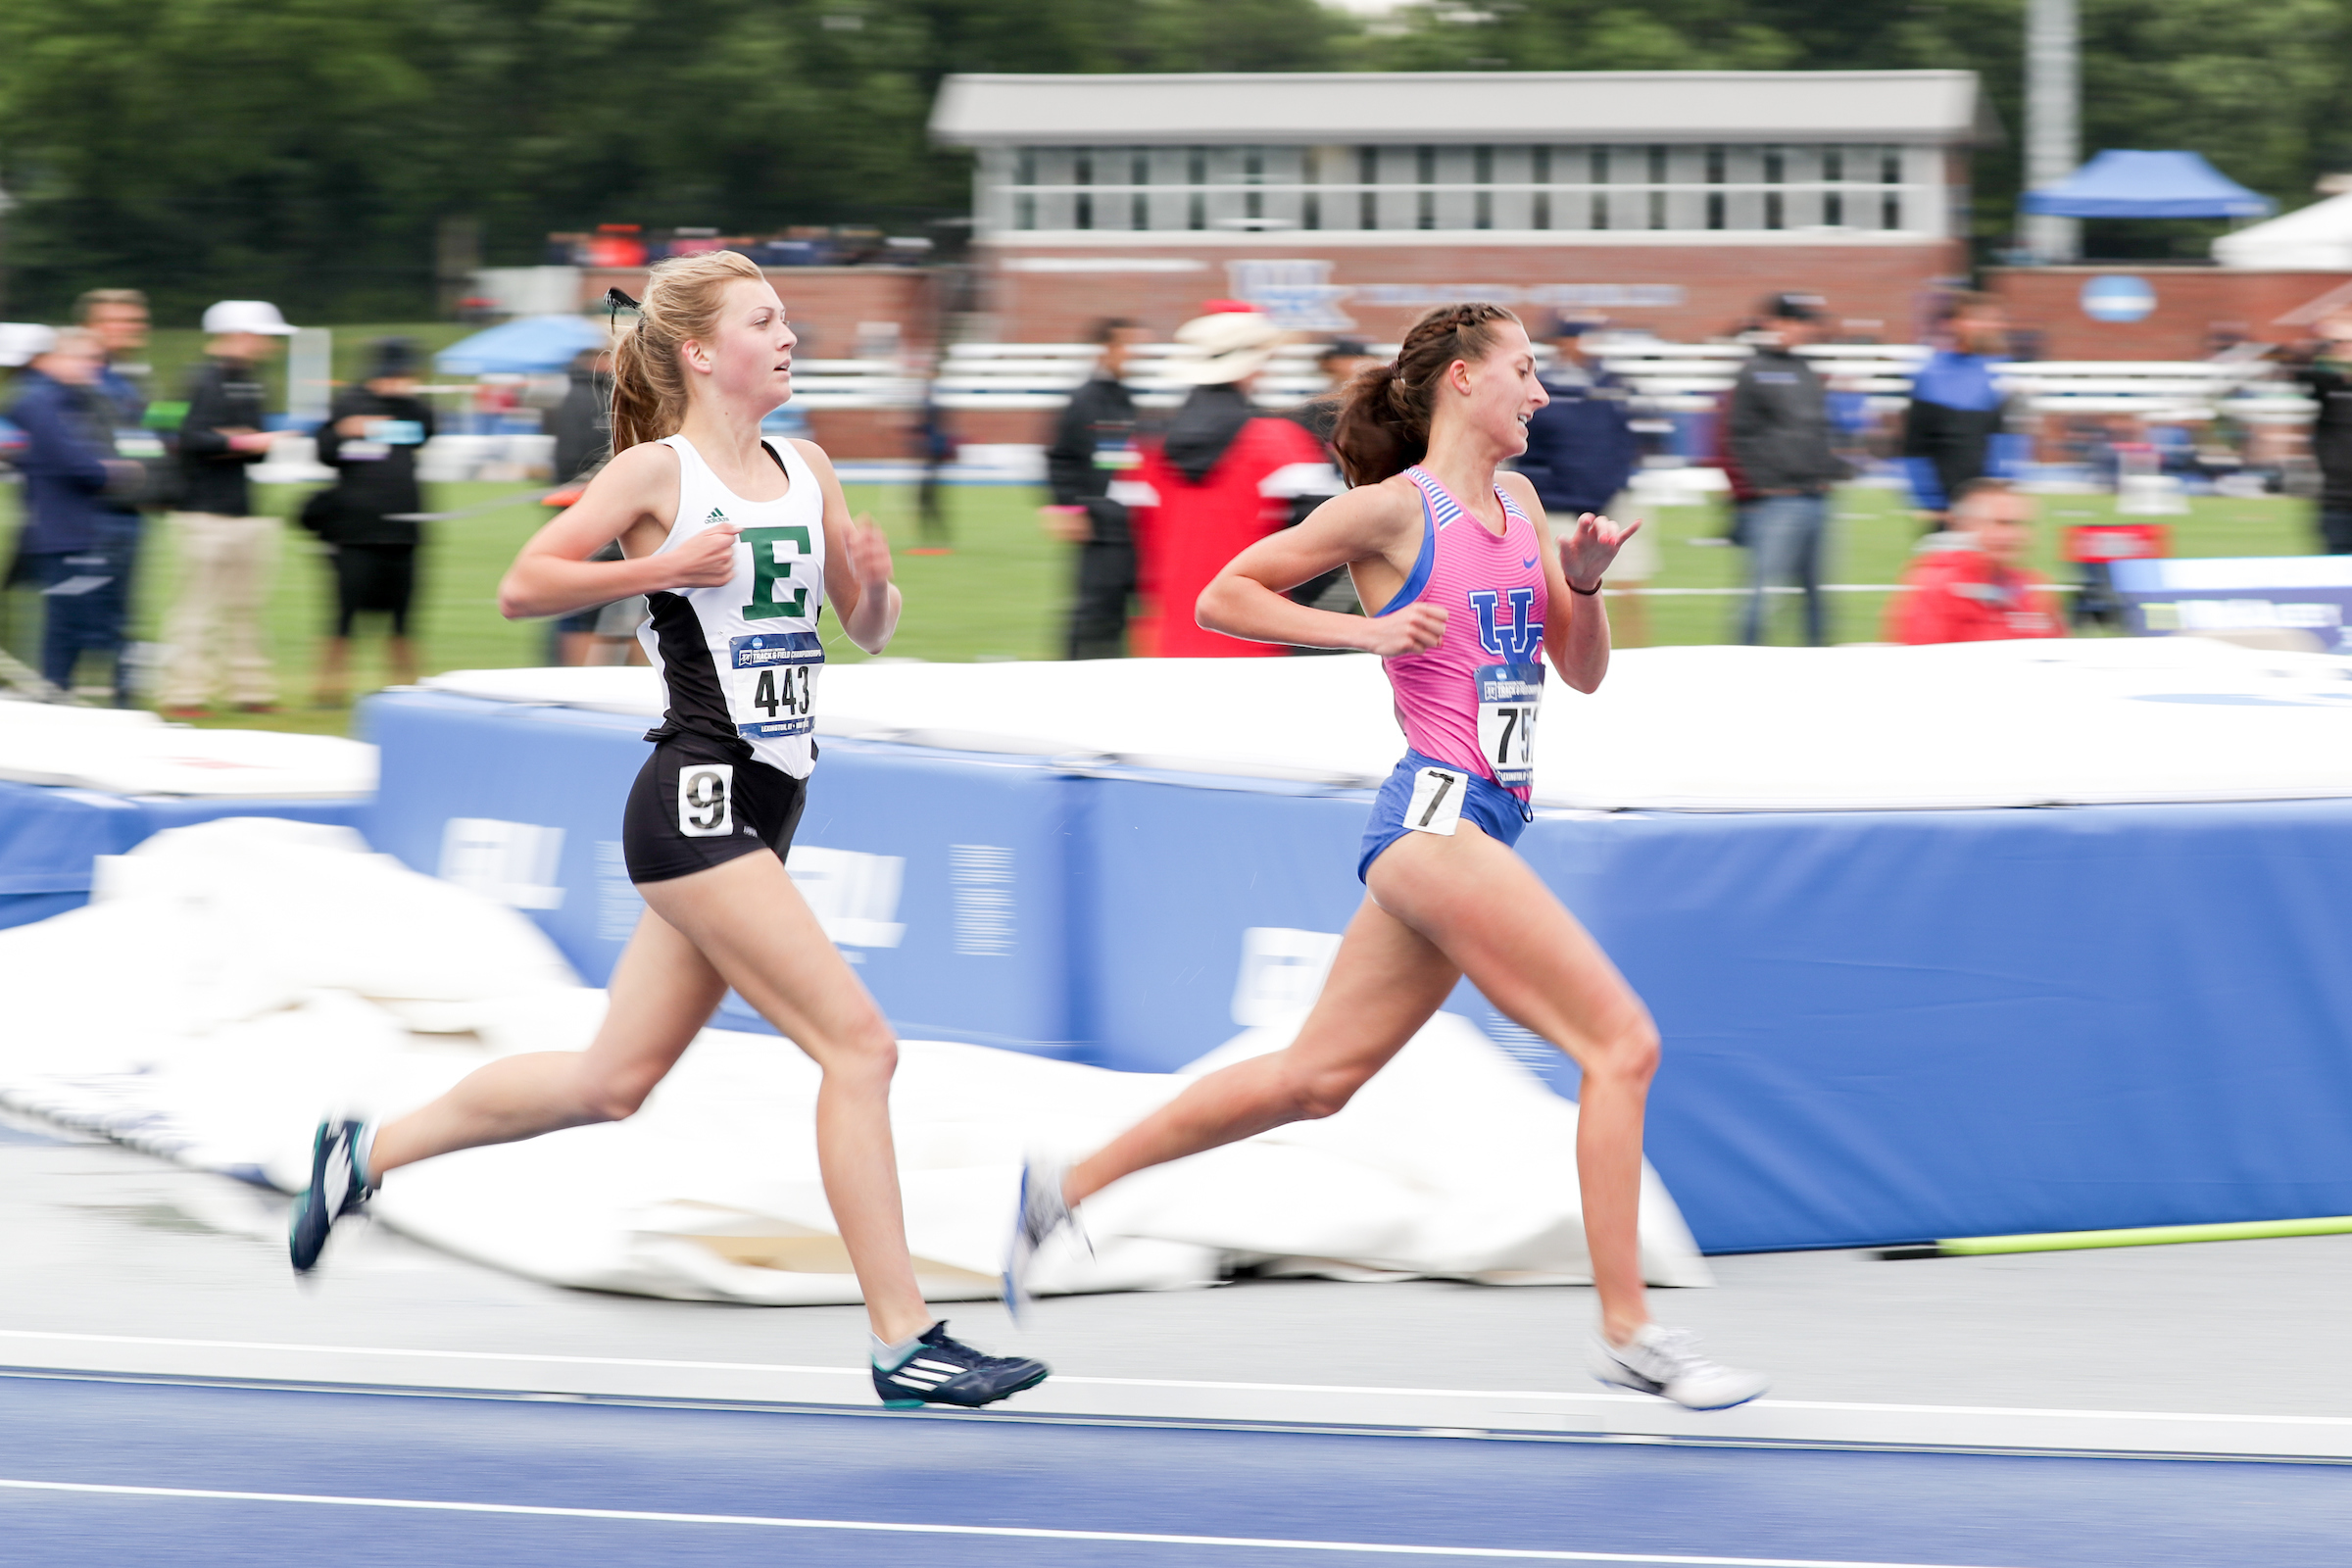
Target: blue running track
x,y
88,1470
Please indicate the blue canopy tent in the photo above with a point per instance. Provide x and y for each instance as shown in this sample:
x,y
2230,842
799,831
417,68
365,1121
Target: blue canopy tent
x,y
2136,184
523,346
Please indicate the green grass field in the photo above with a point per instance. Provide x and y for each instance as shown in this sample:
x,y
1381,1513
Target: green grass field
x,y
1003,592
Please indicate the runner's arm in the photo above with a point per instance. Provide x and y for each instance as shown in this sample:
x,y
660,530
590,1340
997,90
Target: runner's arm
x,y
1366,524
858,581
633,500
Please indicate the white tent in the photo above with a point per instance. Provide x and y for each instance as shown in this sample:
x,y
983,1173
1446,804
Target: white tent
x,y
2311,239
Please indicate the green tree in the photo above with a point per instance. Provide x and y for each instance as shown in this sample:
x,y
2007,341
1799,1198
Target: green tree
x,y
309,151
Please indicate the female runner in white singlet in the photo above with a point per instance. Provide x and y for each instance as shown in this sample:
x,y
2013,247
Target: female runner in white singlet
x,y
739,543
1464,585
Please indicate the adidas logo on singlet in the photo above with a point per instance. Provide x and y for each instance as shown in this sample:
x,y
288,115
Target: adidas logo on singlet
x,y
716,516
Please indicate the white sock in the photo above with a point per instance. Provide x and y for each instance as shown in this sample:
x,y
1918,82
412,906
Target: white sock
x,y
890,1357
362,1145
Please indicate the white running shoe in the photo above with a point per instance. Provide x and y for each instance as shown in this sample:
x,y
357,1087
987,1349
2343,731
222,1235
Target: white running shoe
x,y
1041,1212
1666,1362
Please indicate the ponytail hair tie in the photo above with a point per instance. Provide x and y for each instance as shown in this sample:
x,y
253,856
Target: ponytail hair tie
x,y
616,302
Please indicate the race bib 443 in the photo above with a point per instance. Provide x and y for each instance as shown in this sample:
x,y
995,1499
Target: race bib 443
x,y
771,683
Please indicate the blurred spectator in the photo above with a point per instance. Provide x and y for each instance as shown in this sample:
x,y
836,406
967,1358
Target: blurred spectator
x,y
1581,453
1780,437
369,517
1340,360
1970,584
934,449
2325,369
1224,477
117,317
1956,408
80,537
1094,455
214,632
1338,363
583,421
602,634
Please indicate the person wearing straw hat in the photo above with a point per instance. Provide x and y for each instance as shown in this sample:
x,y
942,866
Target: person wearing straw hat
x,y
1224,476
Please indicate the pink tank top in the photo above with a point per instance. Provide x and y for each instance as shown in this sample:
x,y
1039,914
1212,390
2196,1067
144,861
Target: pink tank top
x,y
1472,701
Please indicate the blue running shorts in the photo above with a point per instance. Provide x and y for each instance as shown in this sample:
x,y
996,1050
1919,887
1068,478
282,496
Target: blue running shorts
x,y
1488,803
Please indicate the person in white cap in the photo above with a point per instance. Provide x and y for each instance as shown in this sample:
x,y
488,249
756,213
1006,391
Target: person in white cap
x,y
214,632
1224,477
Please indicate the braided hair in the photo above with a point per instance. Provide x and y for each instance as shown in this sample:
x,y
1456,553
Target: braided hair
x,y
1383,428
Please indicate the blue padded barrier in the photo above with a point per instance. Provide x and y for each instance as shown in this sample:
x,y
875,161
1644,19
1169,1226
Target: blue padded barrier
x,y
526,771
946,871
1880,1026
1176,873
1903,1025
49,836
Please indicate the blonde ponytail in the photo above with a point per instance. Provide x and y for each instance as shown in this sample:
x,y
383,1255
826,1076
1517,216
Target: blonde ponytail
x,y
682,300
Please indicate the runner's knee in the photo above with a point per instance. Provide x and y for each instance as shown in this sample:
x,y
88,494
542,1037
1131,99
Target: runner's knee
x,y
1627,1055
868,1053
617,1094
1324,1091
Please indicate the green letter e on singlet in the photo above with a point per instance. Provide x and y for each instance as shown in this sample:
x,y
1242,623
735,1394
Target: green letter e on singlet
x,y
773,594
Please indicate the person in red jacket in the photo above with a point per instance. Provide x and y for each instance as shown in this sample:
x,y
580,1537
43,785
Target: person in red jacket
x,y
1969,584
1224,477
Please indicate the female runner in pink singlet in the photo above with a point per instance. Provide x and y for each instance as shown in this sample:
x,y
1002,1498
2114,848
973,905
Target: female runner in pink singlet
x,y
1469,594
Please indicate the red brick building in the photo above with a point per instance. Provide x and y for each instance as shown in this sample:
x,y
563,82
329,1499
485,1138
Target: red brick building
x,y
1352,201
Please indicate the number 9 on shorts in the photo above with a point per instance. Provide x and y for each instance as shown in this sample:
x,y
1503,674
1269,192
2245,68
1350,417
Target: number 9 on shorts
x,y
707,800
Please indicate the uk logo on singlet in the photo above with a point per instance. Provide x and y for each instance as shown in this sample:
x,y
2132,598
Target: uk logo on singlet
x,y
1517,642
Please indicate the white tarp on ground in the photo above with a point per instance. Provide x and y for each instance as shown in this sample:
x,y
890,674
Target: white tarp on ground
x,y
231,981
2094,722
128,752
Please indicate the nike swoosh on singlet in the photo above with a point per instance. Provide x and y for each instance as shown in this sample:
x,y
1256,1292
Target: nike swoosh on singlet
x,y
1529,565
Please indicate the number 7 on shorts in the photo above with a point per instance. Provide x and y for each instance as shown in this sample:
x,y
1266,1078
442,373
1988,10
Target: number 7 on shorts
x,y
1437,803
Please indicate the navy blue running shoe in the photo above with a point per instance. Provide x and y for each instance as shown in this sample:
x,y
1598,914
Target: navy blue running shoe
x,y
941,1371
336,1188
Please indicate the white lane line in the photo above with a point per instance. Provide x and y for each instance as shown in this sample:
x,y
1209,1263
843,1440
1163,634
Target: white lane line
x,y
1061,1381
1002,1531
450,1355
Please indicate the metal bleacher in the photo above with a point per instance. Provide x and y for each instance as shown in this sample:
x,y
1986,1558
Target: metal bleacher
x,y
1666,378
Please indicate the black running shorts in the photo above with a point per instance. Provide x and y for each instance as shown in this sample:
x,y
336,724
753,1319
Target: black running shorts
x,y
697,805
374,578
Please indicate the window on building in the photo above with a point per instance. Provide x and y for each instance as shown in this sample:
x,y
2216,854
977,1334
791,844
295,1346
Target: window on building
x,y
1716,187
